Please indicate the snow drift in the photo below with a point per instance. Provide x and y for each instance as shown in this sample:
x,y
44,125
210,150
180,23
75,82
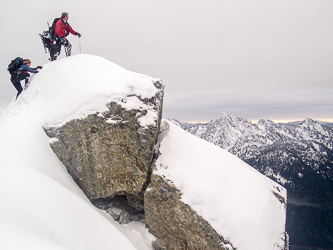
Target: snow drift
x,y
41,206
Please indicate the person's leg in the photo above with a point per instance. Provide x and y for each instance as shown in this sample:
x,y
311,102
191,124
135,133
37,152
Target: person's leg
x,y
26,81
55,50
67,46
16,80
17,84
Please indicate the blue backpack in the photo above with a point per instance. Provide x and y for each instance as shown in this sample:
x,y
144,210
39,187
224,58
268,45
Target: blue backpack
x,y
14,64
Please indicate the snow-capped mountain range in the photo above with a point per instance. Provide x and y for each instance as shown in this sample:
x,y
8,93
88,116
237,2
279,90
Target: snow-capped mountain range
x,y
298,155
308,142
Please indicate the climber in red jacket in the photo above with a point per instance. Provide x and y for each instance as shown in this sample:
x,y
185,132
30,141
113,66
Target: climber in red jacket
x,y
62,29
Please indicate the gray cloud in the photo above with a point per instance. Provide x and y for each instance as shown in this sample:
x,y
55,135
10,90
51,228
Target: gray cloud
x,y
258,59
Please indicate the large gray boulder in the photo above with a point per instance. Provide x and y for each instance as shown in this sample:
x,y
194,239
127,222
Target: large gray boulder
x,y
175,223
110,153
191,194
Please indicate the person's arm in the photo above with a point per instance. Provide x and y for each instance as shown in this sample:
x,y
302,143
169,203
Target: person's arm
x,y
26,68
58,29
71,30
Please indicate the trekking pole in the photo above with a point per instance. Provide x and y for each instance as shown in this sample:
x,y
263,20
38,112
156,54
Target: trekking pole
x,y
80,44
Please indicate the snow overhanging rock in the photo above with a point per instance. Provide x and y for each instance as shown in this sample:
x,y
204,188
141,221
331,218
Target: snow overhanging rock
x,y
56,213
109,153
105,132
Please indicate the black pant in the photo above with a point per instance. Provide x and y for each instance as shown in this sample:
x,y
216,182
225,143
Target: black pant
x,y
56,48
16,80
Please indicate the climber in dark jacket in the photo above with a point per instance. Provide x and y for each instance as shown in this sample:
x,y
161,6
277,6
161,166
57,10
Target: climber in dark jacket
x,y
62,29
21,73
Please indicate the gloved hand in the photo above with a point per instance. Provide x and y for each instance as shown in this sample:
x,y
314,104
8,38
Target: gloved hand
x,y
39,67
78,34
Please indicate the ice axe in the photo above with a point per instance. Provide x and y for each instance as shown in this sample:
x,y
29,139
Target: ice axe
x,y
80,44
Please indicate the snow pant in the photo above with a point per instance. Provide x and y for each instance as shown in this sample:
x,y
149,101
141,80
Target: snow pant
x,y
16,80
56,49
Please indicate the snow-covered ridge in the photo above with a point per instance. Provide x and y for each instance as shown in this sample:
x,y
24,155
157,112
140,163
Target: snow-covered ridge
x,y
42,207
297,155
242,205
56,213
245,139
74,87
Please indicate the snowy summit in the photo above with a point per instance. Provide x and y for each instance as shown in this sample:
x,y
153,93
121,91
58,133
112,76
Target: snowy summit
x,y
104,127
42,207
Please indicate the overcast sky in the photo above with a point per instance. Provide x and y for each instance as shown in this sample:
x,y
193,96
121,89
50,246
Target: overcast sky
x,y
253,59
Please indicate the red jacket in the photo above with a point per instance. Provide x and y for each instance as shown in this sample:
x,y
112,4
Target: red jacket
x,y
62,28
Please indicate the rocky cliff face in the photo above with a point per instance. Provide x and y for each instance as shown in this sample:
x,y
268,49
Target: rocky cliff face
x,y
176,224
173,222
108,137
111,156
110,153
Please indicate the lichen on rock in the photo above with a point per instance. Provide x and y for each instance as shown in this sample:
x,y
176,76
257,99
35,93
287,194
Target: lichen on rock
x,y
174,223
110,153
109,147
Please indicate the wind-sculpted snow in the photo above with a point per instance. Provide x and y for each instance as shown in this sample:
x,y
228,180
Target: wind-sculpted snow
x,y
75,87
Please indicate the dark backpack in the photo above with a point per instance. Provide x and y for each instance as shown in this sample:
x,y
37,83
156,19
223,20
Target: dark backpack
x,y
48,35
14,64
52,28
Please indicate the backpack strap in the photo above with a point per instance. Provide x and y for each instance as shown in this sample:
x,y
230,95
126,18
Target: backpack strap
x,y
66,26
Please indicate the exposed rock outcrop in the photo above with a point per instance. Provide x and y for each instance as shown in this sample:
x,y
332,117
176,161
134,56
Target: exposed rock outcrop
x,y
110,153
176,224
109,142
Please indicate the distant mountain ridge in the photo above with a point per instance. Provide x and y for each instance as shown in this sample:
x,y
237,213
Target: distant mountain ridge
x,y
326,124
247,140
184,125
298,155
295,123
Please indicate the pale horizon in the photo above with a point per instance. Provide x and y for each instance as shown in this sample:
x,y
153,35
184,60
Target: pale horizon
x,y
258,59
275,121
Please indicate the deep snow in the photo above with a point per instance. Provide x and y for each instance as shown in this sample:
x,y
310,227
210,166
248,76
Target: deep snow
x,y
233,197
41,206
74,87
